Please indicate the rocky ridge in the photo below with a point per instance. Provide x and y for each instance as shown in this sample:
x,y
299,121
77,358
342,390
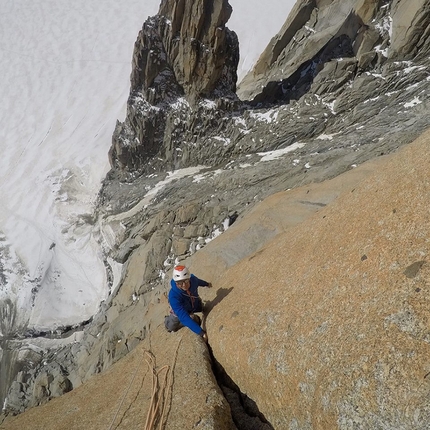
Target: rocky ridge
x,y
337,109
336,40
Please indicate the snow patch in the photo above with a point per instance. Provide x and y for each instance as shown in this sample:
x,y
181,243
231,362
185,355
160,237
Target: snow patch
x,y
326,136
224,140
149,196
273,155
416,101
269,116
208,104
331,106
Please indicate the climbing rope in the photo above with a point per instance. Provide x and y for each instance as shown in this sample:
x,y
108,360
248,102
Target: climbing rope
x,y
165,390
155,398
160,393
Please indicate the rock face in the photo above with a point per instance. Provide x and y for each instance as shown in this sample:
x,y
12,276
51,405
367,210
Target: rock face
x,y
174,368
340,330
200,50
328,326
356,35
332,59
351,95
410,29
182,55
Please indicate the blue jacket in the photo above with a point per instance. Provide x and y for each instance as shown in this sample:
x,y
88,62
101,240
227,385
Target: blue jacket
x,y
184,303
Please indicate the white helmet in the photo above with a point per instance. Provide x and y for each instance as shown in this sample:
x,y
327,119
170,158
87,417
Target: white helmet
x,y
180,273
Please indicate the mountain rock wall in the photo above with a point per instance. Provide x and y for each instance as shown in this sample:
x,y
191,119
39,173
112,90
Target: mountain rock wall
x,y
327,325
183,109
343,82
410,28
188,161
182,55
318,313
201,50
316,33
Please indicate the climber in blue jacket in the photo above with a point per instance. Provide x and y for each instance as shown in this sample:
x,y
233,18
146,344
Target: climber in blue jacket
x,y
185,301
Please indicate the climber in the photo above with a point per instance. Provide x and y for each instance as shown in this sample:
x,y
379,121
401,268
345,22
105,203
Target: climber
x,y
185,301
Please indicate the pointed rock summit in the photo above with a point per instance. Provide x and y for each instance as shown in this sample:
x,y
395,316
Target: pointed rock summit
x,y
187,45
181,56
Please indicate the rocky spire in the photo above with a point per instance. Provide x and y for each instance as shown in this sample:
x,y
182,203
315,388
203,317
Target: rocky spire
x,y
185,52
188,47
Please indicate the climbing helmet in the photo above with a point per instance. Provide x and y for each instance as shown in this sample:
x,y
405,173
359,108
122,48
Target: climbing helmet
x,y
180,273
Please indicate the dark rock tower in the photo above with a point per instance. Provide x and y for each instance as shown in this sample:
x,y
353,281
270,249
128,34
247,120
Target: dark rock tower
x,y
181,56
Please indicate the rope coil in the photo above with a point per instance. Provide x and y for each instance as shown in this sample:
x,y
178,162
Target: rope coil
x,y
160,393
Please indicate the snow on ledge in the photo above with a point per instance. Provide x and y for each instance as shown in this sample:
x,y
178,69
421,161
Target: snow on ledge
x,y
273,155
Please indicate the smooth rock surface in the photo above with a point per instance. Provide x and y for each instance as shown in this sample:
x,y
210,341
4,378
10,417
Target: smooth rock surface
x,y
327,325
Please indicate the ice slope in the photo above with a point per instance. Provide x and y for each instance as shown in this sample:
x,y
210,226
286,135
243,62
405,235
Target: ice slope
x,y
64,70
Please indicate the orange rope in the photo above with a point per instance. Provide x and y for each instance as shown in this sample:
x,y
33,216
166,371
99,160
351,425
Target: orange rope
x,y
160,393
155,400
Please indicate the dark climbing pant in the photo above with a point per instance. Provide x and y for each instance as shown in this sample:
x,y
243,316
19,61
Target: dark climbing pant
x,y
172,323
